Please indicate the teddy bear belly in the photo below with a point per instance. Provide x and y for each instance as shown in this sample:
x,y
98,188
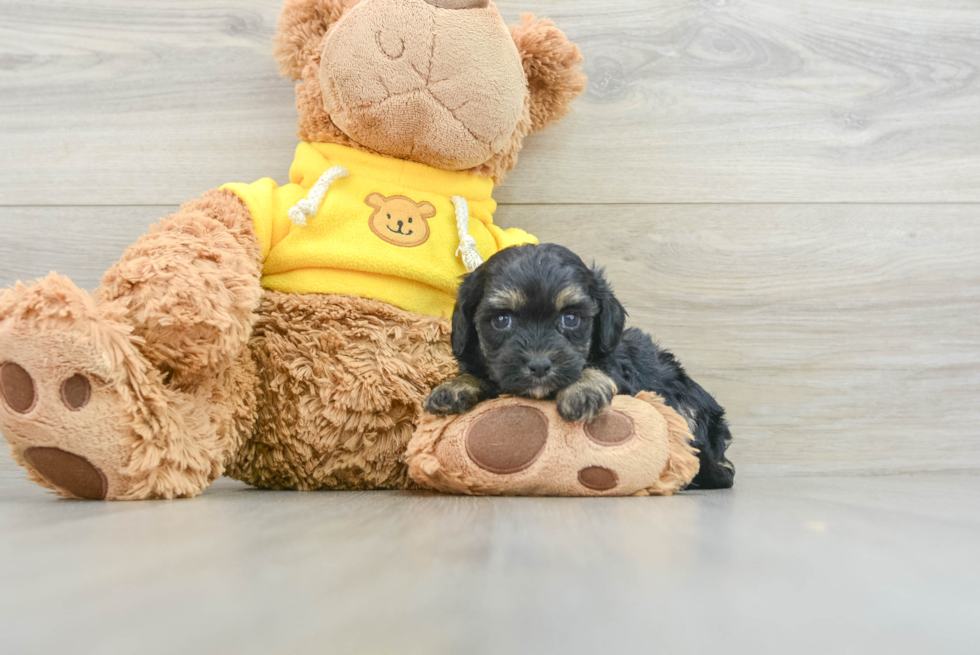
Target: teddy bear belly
x,y
341,381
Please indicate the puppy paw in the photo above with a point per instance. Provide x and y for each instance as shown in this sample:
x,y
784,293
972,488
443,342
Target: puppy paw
x,y
584,400
458,395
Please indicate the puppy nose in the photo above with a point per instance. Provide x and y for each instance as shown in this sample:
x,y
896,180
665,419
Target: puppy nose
x,y
459,4
539,366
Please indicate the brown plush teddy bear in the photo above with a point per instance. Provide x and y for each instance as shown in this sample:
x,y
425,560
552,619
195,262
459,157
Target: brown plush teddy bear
x,y
287,335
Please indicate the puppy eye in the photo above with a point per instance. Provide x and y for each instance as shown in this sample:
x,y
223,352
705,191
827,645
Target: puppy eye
x,y
570,321
501,322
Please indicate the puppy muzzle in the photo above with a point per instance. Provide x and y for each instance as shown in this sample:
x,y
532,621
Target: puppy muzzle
x,y
536,374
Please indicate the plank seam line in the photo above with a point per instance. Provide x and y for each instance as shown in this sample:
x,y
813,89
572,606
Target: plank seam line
x,y
578,204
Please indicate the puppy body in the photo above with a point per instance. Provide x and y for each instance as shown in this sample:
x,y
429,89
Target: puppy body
x,y
535,321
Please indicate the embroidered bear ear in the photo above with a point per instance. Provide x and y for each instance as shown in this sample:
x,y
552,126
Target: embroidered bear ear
x,y
427,209
375,200
300,31
551,63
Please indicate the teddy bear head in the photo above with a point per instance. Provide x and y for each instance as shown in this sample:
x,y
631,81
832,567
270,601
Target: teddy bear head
x,y
441,82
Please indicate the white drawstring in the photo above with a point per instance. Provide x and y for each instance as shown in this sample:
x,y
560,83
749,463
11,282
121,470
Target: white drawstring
x,y
309,206
467,244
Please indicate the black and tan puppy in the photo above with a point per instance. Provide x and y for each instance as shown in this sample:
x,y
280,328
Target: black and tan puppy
x,y
536,322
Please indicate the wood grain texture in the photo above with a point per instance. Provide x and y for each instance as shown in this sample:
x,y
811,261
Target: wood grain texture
x,y
136,102
80,242
803,566
841,338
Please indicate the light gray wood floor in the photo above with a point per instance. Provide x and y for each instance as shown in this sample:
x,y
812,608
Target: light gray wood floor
x,y
777,565
785,192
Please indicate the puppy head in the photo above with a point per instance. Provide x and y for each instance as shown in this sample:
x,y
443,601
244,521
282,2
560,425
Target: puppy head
x,y
531,318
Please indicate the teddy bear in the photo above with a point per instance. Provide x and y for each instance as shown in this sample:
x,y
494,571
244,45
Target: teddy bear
x,y
286,336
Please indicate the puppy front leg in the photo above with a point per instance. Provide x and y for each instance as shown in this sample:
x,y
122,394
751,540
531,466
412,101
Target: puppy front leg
x,y
456,396
584,399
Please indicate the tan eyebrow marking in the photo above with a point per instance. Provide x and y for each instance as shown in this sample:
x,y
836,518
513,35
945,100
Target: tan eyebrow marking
x,y
572,295
512,299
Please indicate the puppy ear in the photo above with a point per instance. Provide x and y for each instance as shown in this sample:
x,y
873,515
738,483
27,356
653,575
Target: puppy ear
x,y
465,340
550,61
300,31
608,324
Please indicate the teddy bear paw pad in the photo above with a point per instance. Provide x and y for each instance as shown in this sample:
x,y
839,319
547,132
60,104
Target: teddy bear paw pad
x,y
76,391
610,428
598,478
17,388
70,472
507,440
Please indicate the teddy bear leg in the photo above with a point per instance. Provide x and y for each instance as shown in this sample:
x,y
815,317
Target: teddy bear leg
x,y
88,411
342,385
190,286
522,447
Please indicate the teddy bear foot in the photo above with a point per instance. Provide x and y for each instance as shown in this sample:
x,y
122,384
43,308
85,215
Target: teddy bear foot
x,y
522,447
66,401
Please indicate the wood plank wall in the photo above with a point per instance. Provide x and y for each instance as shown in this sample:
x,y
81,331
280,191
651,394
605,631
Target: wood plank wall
x,y
785,192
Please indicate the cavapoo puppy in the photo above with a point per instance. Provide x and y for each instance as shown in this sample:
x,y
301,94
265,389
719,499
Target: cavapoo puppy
x,y
536,322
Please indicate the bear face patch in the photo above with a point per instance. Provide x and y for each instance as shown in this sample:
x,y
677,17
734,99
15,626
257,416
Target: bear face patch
x,y
399,220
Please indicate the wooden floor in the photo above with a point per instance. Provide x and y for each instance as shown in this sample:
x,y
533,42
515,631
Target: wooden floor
x,y
776,565
785,192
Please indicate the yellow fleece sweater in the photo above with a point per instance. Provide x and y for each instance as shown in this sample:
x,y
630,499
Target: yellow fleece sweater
x,y
387,231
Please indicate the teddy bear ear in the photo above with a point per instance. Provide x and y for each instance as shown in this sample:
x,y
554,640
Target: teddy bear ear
x,y
551,63
375,200
428,209
300,31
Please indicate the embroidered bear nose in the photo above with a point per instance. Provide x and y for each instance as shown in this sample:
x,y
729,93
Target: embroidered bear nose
x,y
459,4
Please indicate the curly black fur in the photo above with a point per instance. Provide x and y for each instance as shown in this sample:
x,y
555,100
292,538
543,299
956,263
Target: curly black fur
x,y
536,321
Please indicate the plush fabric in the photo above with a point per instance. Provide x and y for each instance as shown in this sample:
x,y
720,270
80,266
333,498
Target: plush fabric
x,y
148,438
189,287
520,447
342,385
402,79
181,367
351,247
550,62
326,394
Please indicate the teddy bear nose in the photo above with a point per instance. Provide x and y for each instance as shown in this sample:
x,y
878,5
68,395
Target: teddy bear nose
x,y
459,4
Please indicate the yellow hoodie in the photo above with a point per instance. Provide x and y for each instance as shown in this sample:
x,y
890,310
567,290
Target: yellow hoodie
x,y
388,230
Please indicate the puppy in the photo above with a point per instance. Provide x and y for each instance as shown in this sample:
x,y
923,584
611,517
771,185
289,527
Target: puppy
x,y
536,322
